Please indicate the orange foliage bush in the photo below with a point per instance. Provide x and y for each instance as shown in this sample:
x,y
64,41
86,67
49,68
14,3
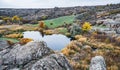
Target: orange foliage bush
x,y
67,51
14,36
48,32
42,24
25,40
85,49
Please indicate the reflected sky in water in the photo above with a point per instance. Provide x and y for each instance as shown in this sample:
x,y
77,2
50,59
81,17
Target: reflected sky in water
x,y
55,41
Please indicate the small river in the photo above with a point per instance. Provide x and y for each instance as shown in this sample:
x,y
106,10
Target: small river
x,y
55,41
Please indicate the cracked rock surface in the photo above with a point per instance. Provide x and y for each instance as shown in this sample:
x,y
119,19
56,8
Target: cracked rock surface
x,y
32,56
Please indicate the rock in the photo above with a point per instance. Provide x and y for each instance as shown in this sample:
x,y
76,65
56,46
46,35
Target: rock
x,y
117,20
1,21
32,56
117,16
15,69
0,63
51,62
118,30
98,63
20,55
3,44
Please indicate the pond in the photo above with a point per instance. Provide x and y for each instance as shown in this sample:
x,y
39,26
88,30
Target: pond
x,y
55,41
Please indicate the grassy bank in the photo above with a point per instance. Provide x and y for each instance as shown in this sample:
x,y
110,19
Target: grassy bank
x,y
10,39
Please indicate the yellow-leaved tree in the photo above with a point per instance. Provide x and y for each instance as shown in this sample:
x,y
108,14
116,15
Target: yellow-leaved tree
x,y
86,26
16,19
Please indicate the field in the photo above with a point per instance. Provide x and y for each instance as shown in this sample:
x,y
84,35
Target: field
x,y
58,21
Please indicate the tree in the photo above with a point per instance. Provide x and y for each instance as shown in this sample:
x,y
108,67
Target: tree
x,y
15,19
86,27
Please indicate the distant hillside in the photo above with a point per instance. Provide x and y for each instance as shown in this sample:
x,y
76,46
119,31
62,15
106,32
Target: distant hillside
x,y
41,14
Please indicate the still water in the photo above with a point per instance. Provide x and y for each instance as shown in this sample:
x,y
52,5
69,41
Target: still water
x,y
55,41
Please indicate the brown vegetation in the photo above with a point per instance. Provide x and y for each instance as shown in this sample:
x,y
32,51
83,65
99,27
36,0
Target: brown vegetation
x,y
80,53
14,36
25,40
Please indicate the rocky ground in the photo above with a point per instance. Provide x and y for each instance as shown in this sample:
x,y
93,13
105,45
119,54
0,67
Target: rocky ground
x,y
78,55
81,51
32,56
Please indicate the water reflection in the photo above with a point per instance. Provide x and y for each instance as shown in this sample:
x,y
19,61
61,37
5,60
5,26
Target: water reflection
x,y
55,41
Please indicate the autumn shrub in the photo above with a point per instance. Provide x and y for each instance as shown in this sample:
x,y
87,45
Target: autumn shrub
x,y
117,41
81,38
10,42
15,19
86,27
78,37
48,32
41,24
25,40
7,20
67,51
14,35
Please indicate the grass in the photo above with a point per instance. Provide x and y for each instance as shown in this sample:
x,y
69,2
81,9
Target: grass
x,y
59,21
63,31
10,39
56,21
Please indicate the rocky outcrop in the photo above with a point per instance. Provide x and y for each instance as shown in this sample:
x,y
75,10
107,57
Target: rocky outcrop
x,y
32,56
98,63
118,30
3,44
51,62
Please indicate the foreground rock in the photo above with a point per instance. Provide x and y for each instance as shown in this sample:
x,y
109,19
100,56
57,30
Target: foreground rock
x,y
33,56
98,63
3,44
51,62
